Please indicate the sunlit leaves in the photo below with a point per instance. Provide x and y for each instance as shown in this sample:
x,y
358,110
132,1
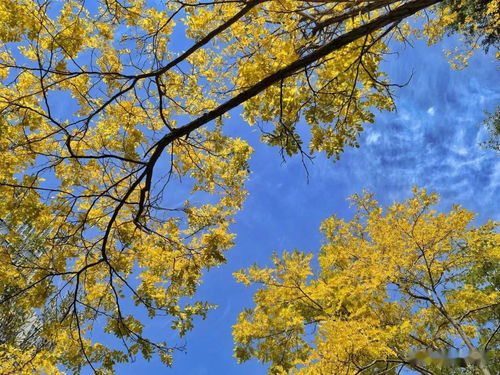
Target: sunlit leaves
x,y
390,283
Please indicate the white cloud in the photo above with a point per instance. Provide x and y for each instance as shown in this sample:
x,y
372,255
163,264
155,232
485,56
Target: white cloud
x,y
431,111
372,138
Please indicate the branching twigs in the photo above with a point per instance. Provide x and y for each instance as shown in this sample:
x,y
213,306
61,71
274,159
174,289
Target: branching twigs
x,y
134,186
285,72
351,13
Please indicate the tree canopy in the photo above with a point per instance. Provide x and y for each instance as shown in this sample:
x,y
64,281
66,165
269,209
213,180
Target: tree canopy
x,y
406,287
112,117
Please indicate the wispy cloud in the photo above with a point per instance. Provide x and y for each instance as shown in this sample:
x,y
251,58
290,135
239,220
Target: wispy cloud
x,y
372,138
433,138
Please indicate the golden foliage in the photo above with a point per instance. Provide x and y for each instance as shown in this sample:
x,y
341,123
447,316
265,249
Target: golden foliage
x,y
388,284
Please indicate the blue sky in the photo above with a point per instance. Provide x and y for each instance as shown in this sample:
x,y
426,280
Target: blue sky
x,y
431,141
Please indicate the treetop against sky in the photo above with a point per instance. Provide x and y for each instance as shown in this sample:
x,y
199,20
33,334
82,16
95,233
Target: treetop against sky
x,y
121,142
